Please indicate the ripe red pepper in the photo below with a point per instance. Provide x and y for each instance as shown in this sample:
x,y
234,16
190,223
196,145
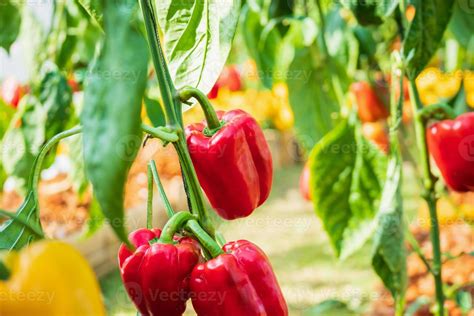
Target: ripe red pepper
x,y
230,78
239,282
156,276
370,106
234,165
451,143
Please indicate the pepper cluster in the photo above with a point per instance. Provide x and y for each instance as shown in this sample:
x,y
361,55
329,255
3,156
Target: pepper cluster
x,y
183,261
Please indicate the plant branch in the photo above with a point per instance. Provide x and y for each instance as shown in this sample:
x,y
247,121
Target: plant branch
x,y
429,194
169,209
149,203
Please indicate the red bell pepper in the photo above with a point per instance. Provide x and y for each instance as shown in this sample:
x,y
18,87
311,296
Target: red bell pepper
x,y
239,282
234,165
369,105
156,276
451,143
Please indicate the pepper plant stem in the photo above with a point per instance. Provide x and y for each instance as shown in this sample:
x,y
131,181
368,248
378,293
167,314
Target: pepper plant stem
x,y
169,209
149,202
160,133
174,224
172,106
205,240
212,120
429,194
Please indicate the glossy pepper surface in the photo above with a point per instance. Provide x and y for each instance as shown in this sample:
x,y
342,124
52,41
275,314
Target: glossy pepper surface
x,y
49,278
239,282
370,106
156,276
234,165
451,143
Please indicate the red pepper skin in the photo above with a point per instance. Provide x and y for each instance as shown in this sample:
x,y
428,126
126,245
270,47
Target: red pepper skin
x,y
370,107
156,276
239,282
451,143
234,166
230,78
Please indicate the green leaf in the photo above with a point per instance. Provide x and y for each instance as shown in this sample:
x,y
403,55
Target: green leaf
x,y
94,10
10,22
55,96
389,257
425,33
366,189
6,115
198,37
13,234
313,105
331,176
347,174
464,300
112,110
155,112
462,22
330,308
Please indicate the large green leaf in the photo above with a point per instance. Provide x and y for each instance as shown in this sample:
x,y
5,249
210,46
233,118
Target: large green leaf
x,y
347,173
198,37
462,22
10,21
389,257
425,33
111,115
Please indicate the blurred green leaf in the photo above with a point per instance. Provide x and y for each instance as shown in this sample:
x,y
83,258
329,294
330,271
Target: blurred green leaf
x,y
198,37
425,33
10,22
112,112
462,22
96,219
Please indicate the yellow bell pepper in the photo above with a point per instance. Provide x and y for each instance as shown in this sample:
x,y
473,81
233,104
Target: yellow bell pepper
x,y
49,278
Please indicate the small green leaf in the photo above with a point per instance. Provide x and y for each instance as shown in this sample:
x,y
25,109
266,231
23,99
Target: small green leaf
x,y
464,301
425,33
155,112
10,22
112,110
198,37
389,254
15,235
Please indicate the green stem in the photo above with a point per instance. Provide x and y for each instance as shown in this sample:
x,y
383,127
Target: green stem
x,y
206,241
34,179
187,93
173,225
4,272
149,204
169,209
24,222
158,132
164,79
417,249
196,198
429,194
